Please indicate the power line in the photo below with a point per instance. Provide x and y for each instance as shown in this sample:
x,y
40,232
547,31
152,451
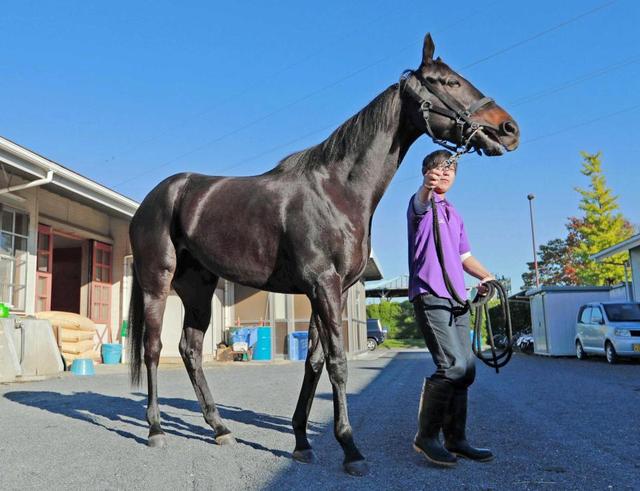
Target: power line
x,y
540,34
351,75
291,104
573,82
249,87
520,101
584,123
560,131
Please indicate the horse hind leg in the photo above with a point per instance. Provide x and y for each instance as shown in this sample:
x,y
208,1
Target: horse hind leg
x,y
196,287
154,305
312,371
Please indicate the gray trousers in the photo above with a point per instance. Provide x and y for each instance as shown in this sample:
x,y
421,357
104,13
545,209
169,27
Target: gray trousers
x,y
445,327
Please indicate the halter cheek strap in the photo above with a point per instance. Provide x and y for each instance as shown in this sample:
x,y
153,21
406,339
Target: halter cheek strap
x,y
427,94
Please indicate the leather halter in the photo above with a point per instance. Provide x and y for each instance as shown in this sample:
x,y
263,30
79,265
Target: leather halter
x,y
427,93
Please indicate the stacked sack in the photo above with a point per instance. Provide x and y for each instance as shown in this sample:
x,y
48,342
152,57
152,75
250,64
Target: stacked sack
x,y
75,335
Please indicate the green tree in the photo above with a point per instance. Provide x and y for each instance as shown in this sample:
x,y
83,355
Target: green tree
x,y
407,325
602,226
388,312
397,317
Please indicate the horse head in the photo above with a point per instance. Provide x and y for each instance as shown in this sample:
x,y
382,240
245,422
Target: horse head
x,y
453,112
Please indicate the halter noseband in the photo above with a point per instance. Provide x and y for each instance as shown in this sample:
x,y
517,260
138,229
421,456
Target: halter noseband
x,y
426,93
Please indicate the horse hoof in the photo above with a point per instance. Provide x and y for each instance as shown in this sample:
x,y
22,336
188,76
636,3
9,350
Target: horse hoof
x,y
226,439
307,456
157,441
357,468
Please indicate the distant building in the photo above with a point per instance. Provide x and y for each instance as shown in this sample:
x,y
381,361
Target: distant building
x,y
631,267
64,245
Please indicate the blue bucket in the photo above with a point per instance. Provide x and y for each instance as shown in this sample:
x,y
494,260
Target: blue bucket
x,y
82,366
111,353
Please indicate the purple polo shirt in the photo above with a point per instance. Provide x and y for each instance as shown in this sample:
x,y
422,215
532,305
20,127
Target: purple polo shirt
x,y
425,274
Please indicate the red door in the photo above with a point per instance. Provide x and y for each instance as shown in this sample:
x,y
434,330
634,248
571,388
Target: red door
x,y
101,285
44,267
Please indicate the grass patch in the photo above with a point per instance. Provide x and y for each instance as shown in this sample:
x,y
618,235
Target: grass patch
x,y
403,343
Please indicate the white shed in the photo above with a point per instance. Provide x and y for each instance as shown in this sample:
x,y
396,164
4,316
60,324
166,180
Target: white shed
x,y
553,316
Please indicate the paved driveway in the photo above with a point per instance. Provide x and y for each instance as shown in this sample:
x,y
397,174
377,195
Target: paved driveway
x,y
554,423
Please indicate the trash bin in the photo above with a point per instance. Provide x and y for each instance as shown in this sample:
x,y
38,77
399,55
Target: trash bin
x,y
298,345
262,350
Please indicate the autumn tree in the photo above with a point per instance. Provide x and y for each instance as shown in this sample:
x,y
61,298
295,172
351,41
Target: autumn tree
x,y
568,261
556,265
601,226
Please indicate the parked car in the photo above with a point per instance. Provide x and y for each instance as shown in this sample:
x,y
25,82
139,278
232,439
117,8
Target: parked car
x,y
376,334
611,329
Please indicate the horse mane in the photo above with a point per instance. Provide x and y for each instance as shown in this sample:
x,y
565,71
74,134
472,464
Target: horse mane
x,y
352,135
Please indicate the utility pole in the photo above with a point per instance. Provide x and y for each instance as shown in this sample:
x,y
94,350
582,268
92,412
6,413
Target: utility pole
x,y
530,197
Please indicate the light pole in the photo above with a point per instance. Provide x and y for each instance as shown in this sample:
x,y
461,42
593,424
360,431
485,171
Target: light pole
x,y
530,197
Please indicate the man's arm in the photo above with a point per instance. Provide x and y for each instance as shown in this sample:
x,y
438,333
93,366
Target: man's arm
x,y
475,268
424,193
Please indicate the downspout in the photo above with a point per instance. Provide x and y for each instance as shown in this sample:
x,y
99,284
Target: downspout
x,y
627,289
37,182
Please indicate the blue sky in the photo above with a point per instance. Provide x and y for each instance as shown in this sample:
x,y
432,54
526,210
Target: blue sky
x,y
127,93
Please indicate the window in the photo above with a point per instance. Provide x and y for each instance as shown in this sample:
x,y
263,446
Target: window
x,y
623,312
44,266
596,316
14,231
585,315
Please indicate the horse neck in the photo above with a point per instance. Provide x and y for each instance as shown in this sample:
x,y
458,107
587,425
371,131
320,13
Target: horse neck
x,y
367,168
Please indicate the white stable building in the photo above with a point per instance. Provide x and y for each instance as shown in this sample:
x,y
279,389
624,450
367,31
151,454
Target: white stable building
x,y
64,245
632,246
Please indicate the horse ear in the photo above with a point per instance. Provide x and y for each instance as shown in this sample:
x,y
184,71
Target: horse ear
x,y
428,49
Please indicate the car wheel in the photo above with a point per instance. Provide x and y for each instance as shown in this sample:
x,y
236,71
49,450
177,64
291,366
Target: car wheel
x,y
610,352
580,353
372,344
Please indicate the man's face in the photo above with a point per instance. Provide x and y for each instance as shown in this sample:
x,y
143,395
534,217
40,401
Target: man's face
x,y
447,179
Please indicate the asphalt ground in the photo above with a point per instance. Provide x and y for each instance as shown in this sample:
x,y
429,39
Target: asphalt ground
x,y
553,423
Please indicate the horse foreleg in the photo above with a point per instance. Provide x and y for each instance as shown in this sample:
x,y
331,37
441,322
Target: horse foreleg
x,y
312,371
327,302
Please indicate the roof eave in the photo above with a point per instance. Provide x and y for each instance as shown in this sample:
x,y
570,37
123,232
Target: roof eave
x,y
37,166
625,245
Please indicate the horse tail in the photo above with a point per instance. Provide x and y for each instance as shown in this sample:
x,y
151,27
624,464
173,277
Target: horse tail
x,y
136,330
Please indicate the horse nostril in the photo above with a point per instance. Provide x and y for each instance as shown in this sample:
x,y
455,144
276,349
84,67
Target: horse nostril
x,y
509,128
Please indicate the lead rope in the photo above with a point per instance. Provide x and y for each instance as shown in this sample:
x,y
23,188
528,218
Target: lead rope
x,y
480,306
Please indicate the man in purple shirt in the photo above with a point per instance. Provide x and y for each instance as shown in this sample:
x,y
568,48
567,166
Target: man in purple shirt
x,y
443,322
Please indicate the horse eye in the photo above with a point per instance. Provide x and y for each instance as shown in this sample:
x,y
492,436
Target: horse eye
x,y
452,82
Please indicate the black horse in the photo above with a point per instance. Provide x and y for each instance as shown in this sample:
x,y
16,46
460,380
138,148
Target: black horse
x,y
303,227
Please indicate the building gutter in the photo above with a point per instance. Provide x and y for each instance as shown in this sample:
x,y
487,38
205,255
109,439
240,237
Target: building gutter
x,y
32,184
33,164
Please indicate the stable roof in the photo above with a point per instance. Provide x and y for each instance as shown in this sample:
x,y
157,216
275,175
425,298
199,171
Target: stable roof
x,y
32,166
631,243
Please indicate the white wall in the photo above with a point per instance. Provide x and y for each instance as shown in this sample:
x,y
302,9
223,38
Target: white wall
x,y
560,315
634,255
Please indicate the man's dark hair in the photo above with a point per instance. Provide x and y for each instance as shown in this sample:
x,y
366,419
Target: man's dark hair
x,y
434,159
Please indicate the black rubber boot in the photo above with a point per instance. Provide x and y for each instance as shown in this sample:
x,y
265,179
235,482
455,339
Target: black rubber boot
x,y
454,430
436,397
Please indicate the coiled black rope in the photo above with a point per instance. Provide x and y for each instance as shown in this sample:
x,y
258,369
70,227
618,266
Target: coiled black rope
x,y
480,306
